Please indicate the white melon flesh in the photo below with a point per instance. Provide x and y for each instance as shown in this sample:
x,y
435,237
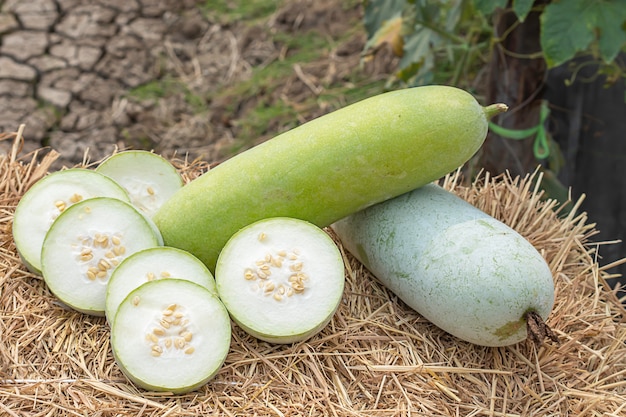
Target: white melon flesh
x,y
152,264
148,178
84,246
171,335
281,279
48,198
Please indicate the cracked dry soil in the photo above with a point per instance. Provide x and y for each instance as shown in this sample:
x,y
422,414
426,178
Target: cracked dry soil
x,y
67,66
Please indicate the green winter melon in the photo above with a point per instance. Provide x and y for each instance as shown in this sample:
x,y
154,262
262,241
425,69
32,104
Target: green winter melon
x,y
332,166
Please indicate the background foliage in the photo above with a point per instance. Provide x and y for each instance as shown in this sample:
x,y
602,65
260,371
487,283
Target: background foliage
x,y
431,36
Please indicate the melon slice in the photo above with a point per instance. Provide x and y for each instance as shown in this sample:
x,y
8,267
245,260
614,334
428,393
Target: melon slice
x,y
148,178
171,335
84,246
281,279
152,264
48,198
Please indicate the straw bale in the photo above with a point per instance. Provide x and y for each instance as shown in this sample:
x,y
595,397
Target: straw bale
x,y
377,357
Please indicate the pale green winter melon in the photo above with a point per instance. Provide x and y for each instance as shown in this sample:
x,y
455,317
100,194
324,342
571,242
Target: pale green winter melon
x,y
329,167
463,270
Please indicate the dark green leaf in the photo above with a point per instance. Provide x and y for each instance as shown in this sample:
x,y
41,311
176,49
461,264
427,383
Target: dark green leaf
x,y
564,31
569,27
419,57
487,7
431,22
608,19
522,8
453,15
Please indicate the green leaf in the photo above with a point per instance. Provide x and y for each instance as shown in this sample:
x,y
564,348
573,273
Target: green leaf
x,y
487,7
609,20
564,31
522,8
453,15
379,11
430,24
569,27
419,57
391,33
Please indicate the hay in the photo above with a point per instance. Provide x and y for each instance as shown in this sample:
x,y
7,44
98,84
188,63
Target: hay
x,y
376,358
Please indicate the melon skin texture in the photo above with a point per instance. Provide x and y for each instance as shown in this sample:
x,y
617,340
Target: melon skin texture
x,y
330,167
466,272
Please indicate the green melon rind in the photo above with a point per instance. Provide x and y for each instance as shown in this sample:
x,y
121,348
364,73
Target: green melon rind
x,y
285,338
330,167
218,318
36,210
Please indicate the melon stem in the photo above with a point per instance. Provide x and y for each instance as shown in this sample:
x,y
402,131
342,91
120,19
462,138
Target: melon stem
x,y
495,109
538,330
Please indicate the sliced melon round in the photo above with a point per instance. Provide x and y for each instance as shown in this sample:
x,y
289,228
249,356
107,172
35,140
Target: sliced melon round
x,y
48,198
84,246
171,335
281,279
152,264
148,178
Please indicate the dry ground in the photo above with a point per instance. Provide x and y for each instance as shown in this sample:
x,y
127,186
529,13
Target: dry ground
x,y
191,77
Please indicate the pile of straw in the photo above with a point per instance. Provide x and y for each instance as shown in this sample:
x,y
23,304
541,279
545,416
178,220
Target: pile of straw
x,y
376,358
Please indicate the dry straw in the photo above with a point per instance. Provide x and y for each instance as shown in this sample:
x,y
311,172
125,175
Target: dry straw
x,y
376,358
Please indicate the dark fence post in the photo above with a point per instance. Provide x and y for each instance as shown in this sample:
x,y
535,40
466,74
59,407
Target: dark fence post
x,y
588,121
